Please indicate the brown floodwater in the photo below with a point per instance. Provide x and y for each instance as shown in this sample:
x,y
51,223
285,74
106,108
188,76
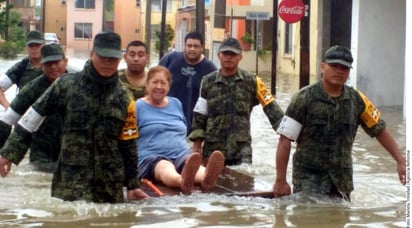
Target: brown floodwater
x,y
377,201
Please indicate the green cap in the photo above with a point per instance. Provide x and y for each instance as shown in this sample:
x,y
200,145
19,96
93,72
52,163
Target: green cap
x,y
338,55
34,37
230,44
108,44
51,52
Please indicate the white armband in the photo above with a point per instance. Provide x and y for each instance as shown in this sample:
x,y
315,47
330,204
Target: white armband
x,y
10,117
5,82
31,120
289,128
201,106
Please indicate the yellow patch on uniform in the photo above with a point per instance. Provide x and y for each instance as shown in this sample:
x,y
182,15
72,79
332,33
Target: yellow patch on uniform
x,y
371,114
130,130
263,94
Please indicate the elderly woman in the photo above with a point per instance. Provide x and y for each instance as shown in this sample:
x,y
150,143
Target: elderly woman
x,y
164,154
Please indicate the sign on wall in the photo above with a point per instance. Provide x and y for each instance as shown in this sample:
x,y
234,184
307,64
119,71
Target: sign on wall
x,y
291,11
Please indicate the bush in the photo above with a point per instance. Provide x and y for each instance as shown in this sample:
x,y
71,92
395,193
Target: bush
x,y
9,50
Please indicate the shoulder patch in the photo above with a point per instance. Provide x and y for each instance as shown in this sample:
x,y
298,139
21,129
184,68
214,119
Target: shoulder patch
x,y
129,130
371,114
263,94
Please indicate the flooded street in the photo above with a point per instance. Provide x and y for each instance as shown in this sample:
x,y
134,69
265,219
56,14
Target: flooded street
x,y
377,201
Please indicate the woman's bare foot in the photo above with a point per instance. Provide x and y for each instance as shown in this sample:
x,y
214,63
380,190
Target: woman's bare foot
x,y
136,194
214,167
189,172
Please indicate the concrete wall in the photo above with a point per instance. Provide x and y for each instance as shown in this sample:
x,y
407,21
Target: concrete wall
x,y
379,50
127,21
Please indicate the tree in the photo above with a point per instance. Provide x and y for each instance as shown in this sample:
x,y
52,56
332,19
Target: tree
x,y
12,32
169,36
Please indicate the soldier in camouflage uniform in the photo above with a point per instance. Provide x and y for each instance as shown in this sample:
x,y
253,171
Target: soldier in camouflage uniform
x,y
25,70
45,146
323,119
134,77
98,151
222,112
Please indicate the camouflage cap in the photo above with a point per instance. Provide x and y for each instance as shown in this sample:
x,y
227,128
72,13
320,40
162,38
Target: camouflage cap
x,y
339,55
232,45
51,52
108,44
34,37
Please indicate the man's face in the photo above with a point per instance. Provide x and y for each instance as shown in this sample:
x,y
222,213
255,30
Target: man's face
x,y
136,59
104,66
229,60
334,74
193,50
33,50
54,69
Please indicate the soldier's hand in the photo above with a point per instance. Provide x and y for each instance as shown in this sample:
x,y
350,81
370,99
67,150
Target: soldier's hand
x,y
136,194
401,168
281,189
5,166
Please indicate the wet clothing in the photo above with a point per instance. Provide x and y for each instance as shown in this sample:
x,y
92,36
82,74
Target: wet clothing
x,y
323,157
45,144
98,149
186,79
162,135
137,92
20,74
223,123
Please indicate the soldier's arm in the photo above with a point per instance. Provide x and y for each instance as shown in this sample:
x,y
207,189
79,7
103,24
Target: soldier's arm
x,y
128,150
3,100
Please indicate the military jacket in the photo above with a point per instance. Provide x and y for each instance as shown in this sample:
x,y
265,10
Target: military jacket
x,y
137,92
45,144
229,104
29,73
98,149
329,126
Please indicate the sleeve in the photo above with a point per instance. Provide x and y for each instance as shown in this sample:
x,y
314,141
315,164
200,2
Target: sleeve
x,y
16,145
10,77
370,117
128,147
199,116
270,106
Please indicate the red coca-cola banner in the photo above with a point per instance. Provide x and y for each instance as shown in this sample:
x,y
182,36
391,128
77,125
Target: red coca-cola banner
x,y
291,11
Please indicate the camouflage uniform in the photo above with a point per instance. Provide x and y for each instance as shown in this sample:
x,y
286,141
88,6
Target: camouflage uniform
x,y
323,157
137,92
95,162
46,141
29,73
226,127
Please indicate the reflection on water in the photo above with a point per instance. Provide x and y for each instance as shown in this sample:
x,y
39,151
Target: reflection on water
x,y
377,201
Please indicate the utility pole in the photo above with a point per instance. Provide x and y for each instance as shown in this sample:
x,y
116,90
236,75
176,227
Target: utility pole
x,y
274,46
6,31
162,29
304,48
200,17
148,22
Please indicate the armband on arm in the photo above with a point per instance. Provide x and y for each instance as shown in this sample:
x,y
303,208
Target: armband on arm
x,y
31,120
130,130
289,128
201,106
5,82
370,114
263,94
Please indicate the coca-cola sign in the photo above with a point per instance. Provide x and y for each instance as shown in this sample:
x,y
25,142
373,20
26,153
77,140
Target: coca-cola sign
x,y
291,11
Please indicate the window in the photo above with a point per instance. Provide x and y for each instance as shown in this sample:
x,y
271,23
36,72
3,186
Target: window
x,y
83,30
157,5
84,4
22,3
288,38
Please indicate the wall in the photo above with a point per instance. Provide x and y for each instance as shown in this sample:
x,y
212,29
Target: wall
x,y
379,51
55,19
127,21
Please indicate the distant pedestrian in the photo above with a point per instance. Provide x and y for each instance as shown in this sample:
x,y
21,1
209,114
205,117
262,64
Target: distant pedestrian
x,y
323,119
188,68
25,70
98,153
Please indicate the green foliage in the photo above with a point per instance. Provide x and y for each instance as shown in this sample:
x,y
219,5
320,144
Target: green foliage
x,y
248,38
168,37
9,50
16,35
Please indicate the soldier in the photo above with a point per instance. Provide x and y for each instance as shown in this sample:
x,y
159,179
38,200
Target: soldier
x,y
98,153
222,112
25,70
134,77
323,119
188,68
45,146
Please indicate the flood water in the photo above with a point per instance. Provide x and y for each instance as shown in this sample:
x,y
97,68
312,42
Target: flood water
x,y
377,201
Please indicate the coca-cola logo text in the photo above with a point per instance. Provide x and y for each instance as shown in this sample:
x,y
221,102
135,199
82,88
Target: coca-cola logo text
x,y
291,11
